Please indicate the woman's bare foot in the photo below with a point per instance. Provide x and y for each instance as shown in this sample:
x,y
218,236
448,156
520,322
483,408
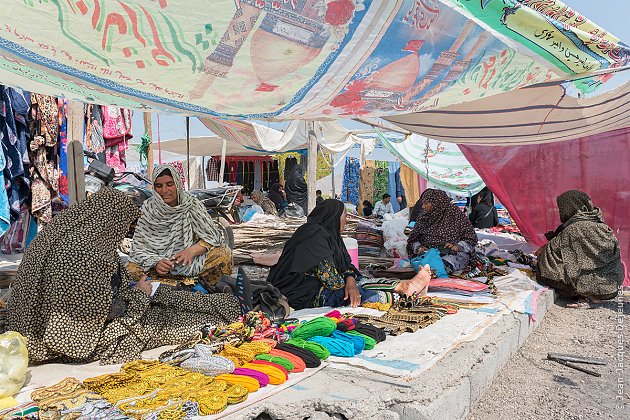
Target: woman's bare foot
x,y
418,284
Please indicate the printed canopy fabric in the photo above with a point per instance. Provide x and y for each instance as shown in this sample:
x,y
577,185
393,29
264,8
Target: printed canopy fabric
x,y
295,59
440,163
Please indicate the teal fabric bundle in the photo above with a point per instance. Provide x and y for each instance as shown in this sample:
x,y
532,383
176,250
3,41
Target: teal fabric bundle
x,y
357,342
319,350
369,341
322,326
341,348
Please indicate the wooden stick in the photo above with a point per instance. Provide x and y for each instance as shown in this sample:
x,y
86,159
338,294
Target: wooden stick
x,y
576,367
148,128
577,359
76,176
311,175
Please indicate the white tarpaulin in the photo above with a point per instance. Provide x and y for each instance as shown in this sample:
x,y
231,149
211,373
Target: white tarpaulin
x,y
332,137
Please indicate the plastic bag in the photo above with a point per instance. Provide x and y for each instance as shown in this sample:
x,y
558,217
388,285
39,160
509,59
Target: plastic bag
x,y
250,212
13,363
431,257
293,210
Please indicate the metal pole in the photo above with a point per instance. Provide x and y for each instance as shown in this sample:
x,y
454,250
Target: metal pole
x,y
222,169
311,174
188,152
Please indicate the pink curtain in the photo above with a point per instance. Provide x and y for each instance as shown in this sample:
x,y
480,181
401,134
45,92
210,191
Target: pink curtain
x,y
527,179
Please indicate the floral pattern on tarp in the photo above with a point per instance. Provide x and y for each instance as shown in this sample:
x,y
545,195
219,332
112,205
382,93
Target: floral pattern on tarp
x,y
350,185
381,180
440,163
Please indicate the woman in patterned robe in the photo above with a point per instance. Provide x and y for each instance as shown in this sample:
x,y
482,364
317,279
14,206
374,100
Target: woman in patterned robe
x,y
582,258
75,302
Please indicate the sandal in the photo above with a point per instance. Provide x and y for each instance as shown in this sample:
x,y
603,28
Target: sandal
x,y
583,304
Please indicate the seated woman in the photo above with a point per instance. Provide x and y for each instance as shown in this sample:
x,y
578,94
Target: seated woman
x,y
267,205
176,238
368,208
444,226
74,301
582,258
315,268
277,196
484,215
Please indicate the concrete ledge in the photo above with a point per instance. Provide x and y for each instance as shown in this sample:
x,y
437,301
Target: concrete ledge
x,y
446,391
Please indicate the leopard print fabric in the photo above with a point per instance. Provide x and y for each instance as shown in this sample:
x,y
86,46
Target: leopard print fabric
x,y
63,292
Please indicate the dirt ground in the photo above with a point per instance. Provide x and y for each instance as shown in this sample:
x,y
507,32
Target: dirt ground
x,y
531,387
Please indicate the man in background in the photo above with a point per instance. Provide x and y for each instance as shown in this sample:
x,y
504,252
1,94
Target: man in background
x,y
383,207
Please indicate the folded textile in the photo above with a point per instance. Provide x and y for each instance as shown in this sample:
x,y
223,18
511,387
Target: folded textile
x,y
309,358
341,348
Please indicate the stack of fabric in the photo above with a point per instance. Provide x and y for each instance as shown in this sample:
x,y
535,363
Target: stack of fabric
x,y
370,239
462,292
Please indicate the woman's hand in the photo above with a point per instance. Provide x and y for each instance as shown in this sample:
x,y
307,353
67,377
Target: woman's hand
x,y
187,256
454,247
164,266
352,292
144,284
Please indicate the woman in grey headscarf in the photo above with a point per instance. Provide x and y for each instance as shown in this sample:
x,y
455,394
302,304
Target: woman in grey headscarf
x,y
582,258
176,237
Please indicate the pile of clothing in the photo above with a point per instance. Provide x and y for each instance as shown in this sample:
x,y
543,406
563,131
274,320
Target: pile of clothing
x,y
370,239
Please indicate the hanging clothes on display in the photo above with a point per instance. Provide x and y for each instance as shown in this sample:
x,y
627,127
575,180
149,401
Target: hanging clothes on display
x,y
393,169
63,148
116,132
196,173
410,181
381,181
15,134
350,184
366,185
44,157
5,212
179,165
212,169
94,128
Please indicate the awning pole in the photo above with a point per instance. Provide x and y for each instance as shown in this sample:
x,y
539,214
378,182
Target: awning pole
x,y
148,128
188,152
332,175
76,176
311,174
222,168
